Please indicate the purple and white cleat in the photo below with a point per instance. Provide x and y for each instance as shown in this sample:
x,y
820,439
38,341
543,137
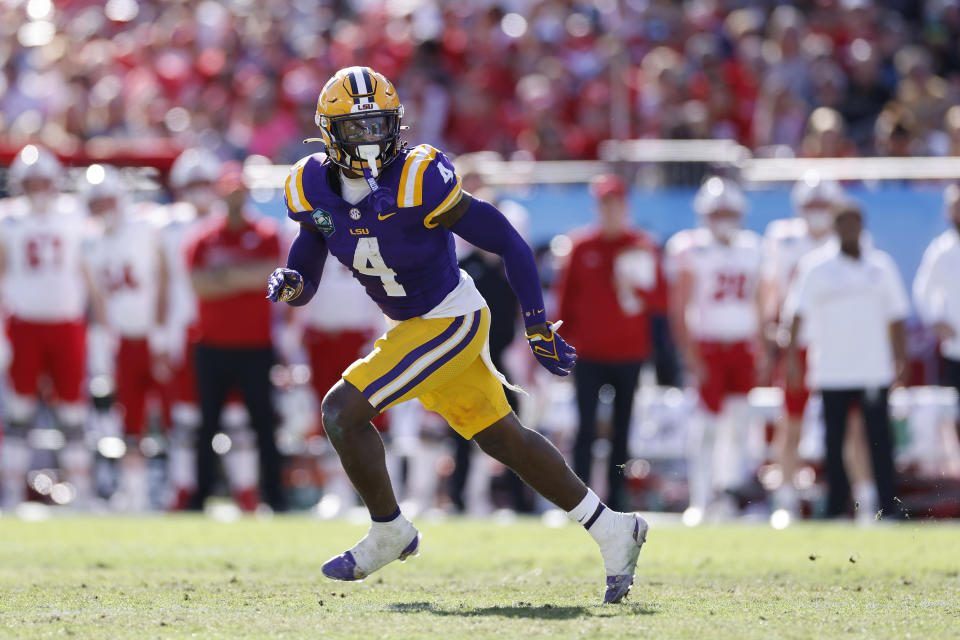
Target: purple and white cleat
x,y
620,580
370,555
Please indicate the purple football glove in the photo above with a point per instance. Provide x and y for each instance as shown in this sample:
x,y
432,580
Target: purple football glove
x,y
284,285
553,353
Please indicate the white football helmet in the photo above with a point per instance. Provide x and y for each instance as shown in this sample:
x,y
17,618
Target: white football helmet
x,y
723,196
34,162
102,181
101,185
194,165
815,198
193,175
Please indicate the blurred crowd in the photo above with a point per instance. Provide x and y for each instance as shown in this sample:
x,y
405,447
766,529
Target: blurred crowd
x,y
548,79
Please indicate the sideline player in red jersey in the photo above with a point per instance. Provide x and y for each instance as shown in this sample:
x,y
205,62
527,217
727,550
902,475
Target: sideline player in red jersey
x,y
389,214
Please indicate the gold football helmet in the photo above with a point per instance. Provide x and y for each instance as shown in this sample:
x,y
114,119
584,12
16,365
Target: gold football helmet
x,y
359,115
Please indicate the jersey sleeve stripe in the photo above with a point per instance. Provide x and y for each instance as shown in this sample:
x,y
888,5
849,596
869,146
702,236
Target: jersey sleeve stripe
x,y
402,189
296,200
418,179
452,198
411,178
292,203
299,172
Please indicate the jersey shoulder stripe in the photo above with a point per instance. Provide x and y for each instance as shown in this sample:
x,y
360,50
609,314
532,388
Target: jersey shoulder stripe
x,y
410,190
293,189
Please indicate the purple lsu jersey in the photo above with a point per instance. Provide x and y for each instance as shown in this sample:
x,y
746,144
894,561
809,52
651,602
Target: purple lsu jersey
x,y
390,240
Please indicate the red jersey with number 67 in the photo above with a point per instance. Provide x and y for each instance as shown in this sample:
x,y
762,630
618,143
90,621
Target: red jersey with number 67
x,y
723,303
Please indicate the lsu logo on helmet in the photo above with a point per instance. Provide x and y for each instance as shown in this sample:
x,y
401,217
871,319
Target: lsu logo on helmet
x,y
359,115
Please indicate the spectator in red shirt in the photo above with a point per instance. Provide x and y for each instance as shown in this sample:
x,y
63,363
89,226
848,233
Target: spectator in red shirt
x,y
608,291
228,260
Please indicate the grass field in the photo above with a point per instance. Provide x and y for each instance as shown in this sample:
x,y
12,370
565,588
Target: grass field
x,y
191,577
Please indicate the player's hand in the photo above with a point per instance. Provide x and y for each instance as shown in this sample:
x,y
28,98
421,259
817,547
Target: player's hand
x,y
550,349
284,285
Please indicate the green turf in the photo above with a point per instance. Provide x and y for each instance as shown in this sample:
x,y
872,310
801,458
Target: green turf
x,y
190,577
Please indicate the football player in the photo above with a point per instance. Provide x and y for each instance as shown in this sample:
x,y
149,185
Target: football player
x,y
714,313
785,242
192,179
389,212
45,285
125,263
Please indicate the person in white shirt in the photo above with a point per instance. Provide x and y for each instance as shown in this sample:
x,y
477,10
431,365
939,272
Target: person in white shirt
x,y
785,243
715,316
851,302
936,288
45,286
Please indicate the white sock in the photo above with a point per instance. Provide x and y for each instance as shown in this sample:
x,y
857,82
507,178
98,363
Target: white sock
x,y
598,519
587,507
398,524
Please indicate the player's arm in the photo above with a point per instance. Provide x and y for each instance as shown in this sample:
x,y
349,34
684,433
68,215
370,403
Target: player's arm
x,y
98,303
163,286
249,276
210,283
484,226
794,308
898,304
928,292
679,299
297,283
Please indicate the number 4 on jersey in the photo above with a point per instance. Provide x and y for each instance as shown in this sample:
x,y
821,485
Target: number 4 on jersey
x,y
368,261
444,172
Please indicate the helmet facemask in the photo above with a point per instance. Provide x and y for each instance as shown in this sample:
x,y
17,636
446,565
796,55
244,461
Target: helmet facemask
x,y
360,141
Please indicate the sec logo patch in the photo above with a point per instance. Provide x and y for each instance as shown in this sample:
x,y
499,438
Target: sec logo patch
x,y
354,214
